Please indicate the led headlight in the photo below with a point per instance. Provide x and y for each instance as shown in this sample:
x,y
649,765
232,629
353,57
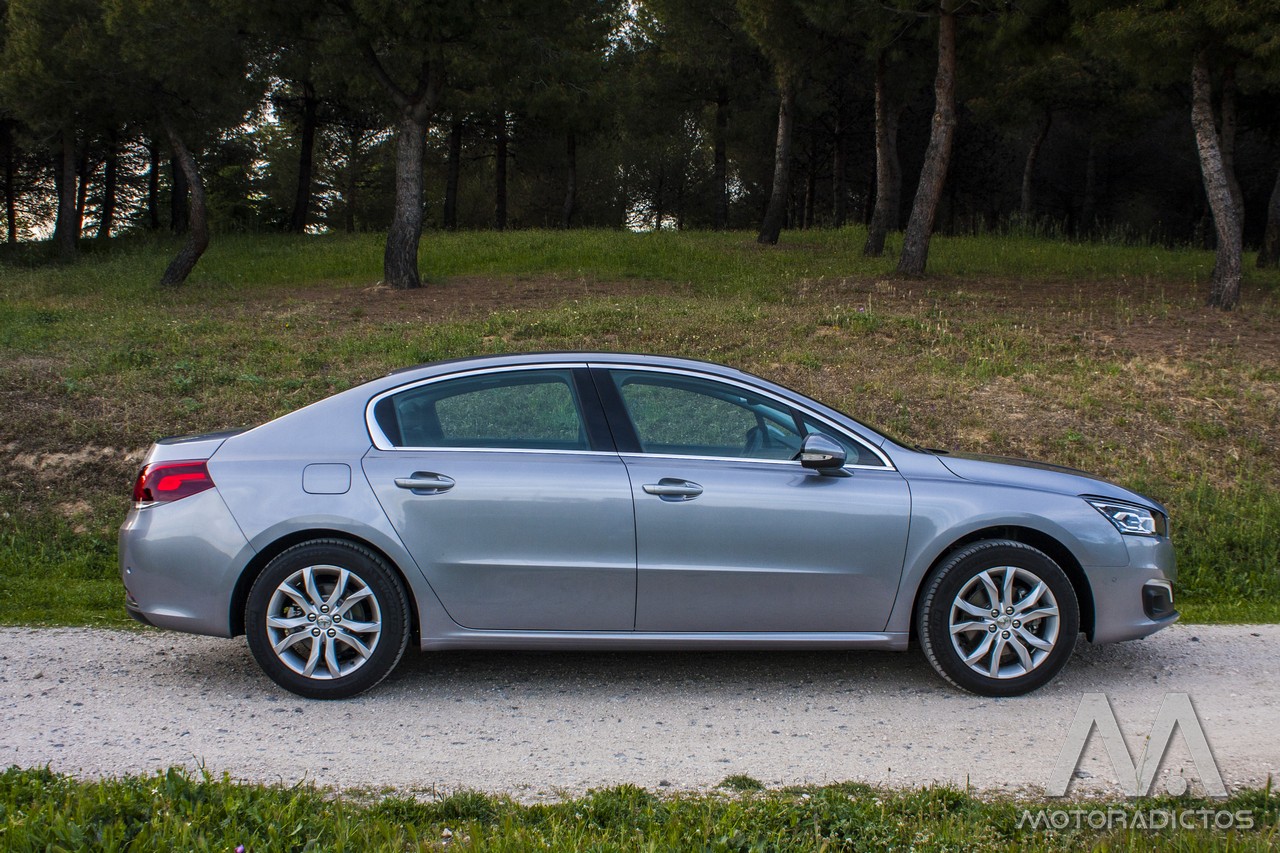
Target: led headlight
x,y
1130,518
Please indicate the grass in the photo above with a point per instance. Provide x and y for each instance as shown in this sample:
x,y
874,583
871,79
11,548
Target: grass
x,y
40,810
1096,356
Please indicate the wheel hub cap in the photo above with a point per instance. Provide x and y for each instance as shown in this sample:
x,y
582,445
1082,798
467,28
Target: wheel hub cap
x,y
324,622
1004,622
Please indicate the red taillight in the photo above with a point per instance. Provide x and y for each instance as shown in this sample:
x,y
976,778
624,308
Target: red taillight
x,y
170,481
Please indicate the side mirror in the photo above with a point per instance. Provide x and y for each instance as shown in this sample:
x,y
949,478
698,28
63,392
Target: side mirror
x,y
821,454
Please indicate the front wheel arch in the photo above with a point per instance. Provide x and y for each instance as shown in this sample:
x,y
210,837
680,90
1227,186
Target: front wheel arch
x,y
1039,540
255,567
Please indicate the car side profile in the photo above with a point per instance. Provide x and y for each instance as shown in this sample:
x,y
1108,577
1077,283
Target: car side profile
x,y
616,501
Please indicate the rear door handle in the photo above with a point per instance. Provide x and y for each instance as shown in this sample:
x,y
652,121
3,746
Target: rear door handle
x,y
425,483
670,488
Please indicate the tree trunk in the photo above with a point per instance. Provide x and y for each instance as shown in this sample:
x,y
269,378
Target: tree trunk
x,y
894,205
306,153
10,191
1227,139
1268,255
811,181
179,201
1089,207
500,175
153,186
453,169
680,203
937,157
64,230
1224,289
198,217
720,162
400,260
571,182
884,218
839,158
349,190
776,213
106,220
1029,168
82,191
659,197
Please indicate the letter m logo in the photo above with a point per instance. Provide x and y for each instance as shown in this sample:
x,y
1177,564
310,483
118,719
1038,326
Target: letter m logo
x,y
1176,710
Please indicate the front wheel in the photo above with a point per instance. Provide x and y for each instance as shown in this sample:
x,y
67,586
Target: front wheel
x,y
327,619
998,618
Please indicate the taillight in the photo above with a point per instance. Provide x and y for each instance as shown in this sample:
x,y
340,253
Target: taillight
x,y
170,481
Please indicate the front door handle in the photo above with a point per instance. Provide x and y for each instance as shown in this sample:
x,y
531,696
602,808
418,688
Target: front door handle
x,y
426,483
669,488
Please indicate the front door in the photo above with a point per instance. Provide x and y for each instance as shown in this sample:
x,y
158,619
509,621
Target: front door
x,y
732,535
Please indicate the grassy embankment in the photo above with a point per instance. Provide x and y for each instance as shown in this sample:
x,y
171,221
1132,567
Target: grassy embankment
x,y
174,811
1096,356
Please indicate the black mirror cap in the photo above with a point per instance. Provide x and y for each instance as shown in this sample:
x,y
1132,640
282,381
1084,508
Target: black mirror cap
x,y
821,454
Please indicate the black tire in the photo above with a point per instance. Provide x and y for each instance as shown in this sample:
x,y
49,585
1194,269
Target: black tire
x,y
957,587
372,596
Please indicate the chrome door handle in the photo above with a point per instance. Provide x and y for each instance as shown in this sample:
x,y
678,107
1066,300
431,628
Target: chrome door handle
x,y
426,482
670,487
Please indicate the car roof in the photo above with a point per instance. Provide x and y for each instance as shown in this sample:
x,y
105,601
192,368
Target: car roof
x,y
435,368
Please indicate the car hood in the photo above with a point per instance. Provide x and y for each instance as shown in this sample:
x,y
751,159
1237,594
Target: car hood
x,y
1026,473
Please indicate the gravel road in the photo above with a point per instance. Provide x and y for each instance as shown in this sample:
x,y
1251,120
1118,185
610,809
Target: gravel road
x,y
96,702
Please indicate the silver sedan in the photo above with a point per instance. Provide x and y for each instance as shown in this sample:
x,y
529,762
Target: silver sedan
x,y
607,501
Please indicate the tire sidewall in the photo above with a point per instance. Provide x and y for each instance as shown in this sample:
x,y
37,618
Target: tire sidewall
x,y
945,584
374,573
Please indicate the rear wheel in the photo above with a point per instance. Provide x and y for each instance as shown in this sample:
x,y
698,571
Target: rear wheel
x,y
998,618
327,619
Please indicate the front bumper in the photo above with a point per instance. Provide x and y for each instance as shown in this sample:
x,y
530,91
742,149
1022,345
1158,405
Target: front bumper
x,y
1124,601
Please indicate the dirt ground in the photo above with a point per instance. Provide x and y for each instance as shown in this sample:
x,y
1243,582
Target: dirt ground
x,y
94,702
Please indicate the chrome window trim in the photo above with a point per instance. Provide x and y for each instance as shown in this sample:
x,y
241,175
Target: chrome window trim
x,y
500,450
791,404
746,460
381,442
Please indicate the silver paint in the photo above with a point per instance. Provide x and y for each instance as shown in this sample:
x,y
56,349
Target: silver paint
x,y
569,550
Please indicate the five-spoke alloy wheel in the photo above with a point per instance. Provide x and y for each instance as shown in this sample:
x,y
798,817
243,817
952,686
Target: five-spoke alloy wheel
x,y
327,619
998,618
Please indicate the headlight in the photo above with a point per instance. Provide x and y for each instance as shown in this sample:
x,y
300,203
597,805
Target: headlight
x,y
1132,519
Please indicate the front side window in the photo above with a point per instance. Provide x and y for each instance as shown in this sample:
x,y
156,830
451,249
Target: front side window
x,y
855,452
524,410
688,416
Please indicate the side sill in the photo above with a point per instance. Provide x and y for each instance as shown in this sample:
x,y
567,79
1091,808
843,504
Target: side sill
x,y
640,641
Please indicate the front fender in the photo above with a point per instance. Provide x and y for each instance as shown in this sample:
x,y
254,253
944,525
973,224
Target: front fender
x,y
944,512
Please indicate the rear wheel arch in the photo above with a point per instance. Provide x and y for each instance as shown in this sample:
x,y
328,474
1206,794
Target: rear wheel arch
x,y
1037,539
255,567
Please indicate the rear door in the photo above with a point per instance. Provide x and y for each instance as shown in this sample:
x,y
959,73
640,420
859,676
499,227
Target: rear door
x,y
504,486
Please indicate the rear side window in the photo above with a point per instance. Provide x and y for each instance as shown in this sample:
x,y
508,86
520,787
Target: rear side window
x,y
522,410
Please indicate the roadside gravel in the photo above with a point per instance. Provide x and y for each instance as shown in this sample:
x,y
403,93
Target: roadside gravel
x,y
104,703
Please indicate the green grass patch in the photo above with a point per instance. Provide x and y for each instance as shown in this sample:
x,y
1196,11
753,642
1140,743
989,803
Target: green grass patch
x,y
40,810
1228,548
1091,355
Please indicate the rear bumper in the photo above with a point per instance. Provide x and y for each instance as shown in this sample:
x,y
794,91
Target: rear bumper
x,y
179,561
